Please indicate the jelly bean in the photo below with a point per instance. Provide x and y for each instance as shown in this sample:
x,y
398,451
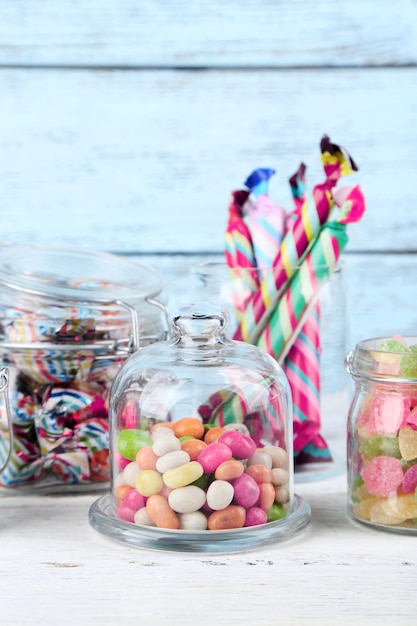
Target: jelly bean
x,y
407,439
130,473
410,480
280,476
120,461
261,458
189,426
246,491
260,473
279,456
187,499
239,427
183,475
383,475
163,445
241,445
213,434
149,482
282,495
134,500
255,516
142,518
161,429
129,441
276,512
193,521
161,514
121,491
212,455
146,458
172,459
193,447
232,516
228,470
219,495
119,480
124,513
266,496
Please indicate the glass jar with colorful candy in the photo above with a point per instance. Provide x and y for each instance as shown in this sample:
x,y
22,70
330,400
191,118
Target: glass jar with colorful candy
x,y
201,436
68,320
382,434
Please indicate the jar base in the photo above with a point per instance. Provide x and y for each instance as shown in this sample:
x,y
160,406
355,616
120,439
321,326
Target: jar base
x,y
103,519
397,530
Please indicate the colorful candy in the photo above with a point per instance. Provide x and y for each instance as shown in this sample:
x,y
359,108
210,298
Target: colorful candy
x,y
215,491
383,439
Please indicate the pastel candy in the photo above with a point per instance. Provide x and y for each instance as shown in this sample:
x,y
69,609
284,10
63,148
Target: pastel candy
x,y
148,482
389,411
172,459
187,499
183,475
407,439
255,516
161,513
241,445
219,494
214,454
130,440
193,521
246,490
410,480
232,516
383,475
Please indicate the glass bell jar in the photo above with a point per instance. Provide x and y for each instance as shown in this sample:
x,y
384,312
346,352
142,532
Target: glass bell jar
x,y
200,443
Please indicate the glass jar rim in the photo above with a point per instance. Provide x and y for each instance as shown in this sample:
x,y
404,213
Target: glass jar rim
x,y
368,361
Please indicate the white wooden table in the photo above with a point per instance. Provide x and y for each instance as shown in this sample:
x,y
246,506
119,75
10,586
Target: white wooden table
x,y
55,569
123,127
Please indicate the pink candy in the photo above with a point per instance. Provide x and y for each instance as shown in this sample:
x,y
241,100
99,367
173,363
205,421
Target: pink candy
x,y
241,445
383,475
410,480
214,454
247,490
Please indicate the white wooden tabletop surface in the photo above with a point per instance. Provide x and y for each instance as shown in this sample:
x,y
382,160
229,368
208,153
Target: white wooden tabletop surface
x,y
123,127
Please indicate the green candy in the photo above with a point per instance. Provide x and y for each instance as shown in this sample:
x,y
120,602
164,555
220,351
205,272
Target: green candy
x,y
276,512
392,345
380,446
408,365
130,441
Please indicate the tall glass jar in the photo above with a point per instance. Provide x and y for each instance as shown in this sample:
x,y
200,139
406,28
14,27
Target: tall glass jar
x,y
382,434
68,320
201,440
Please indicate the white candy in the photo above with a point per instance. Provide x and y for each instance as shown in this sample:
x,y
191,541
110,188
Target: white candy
x,y
172,459
279,456
193,521
219,494
187,499
163,445
130,473
280,476
282,495
162,431
261,458
240,428
142,518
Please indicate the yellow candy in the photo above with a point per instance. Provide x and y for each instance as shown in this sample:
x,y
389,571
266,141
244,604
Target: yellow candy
x,y
149,482
404,506
407,439
363,508
183,475
379,515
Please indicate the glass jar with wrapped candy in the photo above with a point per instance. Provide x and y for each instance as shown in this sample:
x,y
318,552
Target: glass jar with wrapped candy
x,y
201,440
68,320
382,434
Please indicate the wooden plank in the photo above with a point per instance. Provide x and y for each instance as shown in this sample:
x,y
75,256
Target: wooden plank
x,y
378,290
144,161
218,33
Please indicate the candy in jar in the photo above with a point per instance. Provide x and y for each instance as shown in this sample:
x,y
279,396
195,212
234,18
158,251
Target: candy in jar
x,y
382,434
201,435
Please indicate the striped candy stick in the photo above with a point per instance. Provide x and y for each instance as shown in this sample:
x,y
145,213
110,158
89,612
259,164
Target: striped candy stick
x,y
302,231
265,220
239,253
315,270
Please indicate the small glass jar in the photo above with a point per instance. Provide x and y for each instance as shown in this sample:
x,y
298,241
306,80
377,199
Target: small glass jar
x,y
201,444
382,434
68,319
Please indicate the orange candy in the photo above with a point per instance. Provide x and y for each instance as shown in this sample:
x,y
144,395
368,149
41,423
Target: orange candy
x,y
260,473
146,458
266,496
121,491
193,447
188,427
161,514
213,434
228,470
233,516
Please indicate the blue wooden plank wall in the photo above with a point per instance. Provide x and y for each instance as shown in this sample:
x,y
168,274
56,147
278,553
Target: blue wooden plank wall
x,y
124,126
